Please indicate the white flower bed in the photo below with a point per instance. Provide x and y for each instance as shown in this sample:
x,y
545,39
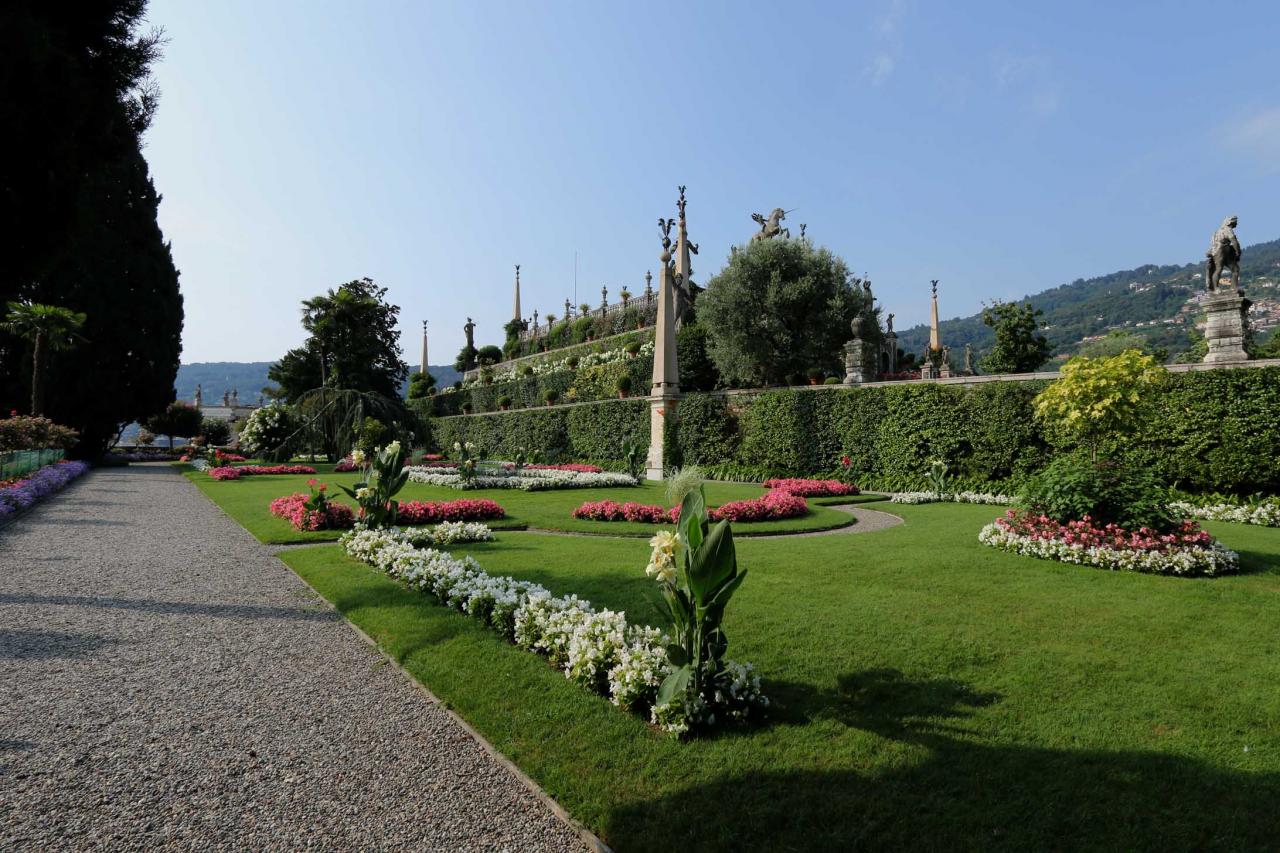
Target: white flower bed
x,y
596,649
1265,513
589,359
952,497
527,479
1215,559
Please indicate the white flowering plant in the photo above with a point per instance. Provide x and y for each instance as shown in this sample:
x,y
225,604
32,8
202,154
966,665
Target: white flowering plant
x,y
268,432
384,477
696,567
465,451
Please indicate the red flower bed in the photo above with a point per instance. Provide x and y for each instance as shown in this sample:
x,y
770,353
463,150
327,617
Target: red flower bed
x,y
225,458
344,466
227,472
433,512
433,457
771,507
812,488
293,509
1086,534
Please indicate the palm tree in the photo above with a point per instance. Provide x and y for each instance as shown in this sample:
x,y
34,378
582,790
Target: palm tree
x,y
49,328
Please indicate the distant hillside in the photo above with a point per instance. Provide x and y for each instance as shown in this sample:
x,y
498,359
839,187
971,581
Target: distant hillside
x,y
1157,302
250,377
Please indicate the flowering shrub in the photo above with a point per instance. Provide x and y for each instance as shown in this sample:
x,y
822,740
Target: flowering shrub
x,y
313,511
21,493
571,362
1264,512
28,432
227,472
269,431
535,480
1186,550
596,649
952,497
813,488
432,512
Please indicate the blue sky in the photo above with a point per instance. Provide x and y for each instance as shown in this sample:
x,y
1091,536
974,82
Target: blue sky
x,y
1001,147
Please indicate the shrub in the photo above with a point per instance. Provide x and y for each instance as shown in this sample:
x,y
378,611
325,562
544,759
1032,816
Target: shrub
x,y
1100,398
1073,488
504,401
27,432
270,432
551,395
215,431
624,385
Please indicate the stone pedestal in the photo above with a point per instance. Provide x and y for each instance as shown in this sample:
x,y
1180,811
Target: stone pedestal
x,y
928,371
661,410
859,362
1226,328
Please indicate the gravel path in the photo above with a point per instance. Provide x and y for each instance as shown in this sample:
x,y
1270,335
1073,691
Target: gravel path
x,y
167,682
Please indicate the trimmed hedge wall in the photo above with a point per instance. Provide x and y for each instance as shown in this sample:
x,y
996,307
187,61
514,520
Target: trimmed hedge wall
x,y
592,433
599,382
1209,431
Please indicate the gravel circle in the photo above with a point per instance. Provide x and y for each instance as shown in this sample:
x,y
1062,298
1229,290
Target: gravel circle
x,y
168,683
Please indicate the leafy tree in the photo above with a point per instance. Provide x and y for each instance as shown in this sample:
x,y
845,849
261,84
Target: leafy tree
x,y
49,328
1198,349
1019,347
1098,398
779,307
1269,349
421,385
489,354
215,431
466,358
697,370
352,344
1117,342
177,419
78,211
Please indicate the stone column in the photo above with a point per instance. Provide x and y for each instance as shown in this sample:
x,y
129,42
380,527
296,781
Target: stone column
x,y
515,308
1226,328
856,367
891,350
424,347
664,394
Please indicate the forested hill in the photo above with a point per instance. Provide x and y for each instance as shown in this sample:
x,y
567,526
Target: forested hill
x,y
250,377
1151,300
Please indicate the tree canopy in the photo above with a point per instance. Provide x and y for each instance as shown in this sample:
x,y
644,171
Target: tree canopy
x,y
779,307
78,210
49,328
1019,347
352,344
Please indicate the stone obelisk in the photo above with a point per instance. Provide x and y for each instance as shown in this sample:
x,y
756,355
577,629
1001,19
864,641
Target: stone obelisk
x,y
515,310
664,393
424,348
928,370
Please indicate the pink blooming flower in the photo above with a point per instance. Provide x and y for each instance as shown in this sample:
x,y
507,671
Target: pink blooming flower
x,y
813,488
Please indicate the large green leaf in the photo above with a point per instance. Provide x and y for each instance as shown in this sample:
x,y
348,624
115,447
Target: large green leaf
x,y
675,684
677,654
714,563
693,511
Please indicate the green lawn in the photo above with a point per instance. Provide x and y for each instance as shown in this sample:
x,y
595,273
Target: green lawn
x,y
247,501
930,693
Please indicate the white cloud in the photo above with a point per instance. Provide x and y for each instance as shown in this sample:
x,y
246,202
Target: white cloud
x,y
1257,136
887,42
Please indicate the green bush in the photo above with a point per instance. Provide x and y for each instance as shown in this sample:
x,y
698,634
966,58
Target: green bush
x,y
1073,487
592,433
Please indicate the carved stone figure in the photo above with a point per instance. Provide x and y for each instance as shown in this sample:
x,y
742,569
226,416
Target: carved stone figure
x,y
803,226
770,226
199,396
889,325
568,309
470,330
968,359
226,398
235,397
1223,254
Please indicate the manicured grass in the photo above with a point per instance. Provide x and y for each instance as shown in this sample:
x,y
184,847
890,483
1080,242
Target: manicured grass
x,y
931,693
247,501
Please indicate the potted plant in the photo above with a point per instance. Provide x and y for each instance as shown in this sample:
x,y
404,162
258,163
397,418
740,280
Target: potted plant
x,y
526,370
551,395
466,408
815,375
486,375
633,349
504,402
624,385
573,361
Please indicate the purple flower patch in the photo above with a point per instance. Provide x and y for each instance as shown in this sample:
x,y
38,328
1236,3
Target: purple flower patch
x,y
49,479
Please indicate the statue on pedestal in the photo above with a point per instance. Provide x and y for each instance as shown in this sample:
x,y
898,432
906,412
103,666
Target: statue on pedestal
x,y
226,398
470,330
771,225
1224,253
968,360
199,401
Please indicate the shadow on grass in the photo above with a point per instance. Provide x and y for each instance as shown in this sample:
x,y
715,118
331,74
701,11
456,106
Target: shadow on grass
x,y
1257,562
962,795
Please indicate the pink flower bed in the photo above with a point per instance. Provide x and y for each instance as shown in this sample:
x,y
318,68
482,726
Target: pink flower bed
x,y
774,506
569,466
1088,535
630,511
292,508
227,472
812,488
344,466
434,512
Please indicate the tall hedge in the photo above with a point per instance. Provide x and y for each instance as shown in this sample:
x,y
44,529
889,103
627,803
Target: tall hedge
x,y
589,433
1208,431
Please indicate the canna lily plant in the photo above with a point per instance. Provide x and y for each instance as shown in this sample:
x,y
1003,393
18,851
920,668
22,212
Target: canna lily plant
x,y
697,569
383,479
